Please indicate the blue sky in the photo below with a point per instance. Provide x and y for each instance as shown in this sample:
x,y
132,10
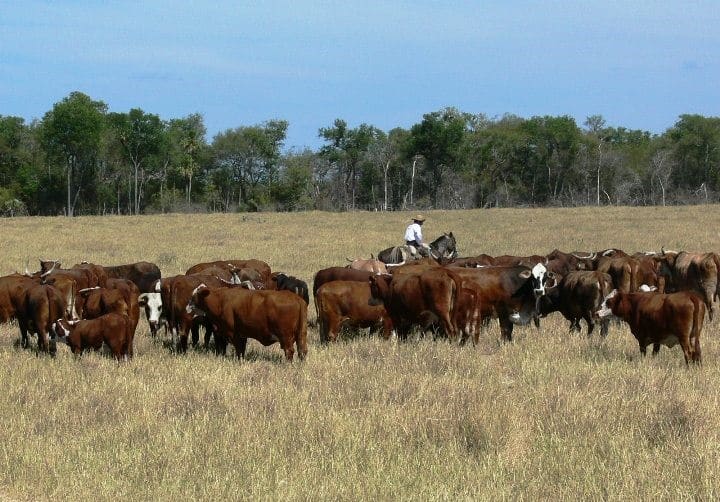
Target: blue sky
x,y
640,64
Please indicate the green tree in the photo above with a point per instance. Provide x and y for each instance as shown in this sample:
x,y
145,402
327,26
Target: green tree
x,y
71,134
140,137
251,154
438,138
696,143
347,151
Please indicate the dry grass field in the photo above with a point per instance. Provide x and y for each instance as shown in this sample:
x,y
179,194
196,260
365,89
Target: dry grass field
x,y
549,416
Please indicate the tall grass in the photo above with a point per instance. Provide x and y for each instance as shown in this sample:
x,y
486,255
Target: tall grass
x,y
549,416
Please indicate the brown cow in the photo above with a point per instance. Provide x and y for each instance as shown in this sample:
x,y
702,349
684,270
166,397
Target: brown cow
x,y
98,271
110,329
267,316
418,299
347,302
175,292
259,265
660,319
37,308
577,296
12,298
697,272
144,274
339,274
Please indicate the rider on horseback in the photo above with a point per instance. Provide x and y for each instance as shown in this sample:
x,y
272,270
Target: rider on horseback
x,y
413,236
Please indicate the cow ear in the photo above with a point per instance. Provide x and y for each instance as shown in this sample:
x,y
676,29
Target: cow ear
x,y
525,274
204,292
143,299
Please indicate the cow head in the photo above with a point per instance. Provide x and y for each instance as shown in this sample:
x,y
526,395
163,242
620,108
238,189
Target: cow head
x,y
47,266
61,329
152,303
607,305
379,288
540,278
197,298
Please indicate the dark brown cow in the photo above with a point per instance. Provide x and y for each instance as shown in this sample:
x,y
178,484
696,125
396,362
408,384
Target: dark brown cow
x,y
266,316
259,265
144,274
110,329
283,282
508,293
660,319
347,302
37,309
577,296
422,299
691,272
563,263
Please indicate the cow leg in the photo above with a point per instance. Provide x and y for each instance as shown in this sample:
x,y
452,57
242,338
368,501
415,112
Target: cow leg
x,y
604,326
697,353
220,344
506,329
240,345
656,349
289,351
195,330
24,342
590,323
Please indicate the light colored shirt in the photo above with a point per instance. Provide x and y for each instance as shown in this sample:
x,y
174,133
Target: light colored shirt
x,y
414,233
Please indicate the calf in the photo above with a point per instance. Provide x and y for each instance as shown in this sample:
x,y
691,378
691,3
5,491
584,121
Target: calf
x,y
660,319
347,302
267,316
120,297
293,284
110,329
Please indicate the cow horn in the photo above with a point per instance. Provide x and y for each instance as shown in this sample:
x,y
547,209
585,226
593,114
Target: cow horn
x,y
55,262
27,271
349,259
88,289
248,285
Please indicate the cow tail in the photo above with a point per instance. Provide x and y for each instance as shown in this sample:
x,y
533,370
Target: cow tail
x,y
716,259
322,326
301,332
698,318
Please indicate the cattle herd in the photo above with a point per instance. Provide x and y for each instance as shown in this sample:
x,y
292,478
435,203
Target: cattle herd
x,y
663,296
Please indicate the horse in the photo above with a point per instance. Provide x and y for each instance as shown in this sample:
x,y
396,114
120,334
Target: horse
x,y
441,249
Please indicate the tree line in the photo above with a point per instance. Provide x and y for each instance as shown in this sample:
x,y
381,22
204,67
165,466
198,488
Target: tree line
x,y
82,159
